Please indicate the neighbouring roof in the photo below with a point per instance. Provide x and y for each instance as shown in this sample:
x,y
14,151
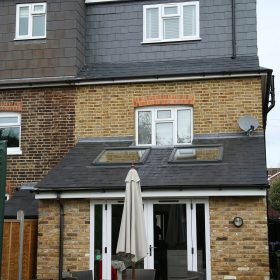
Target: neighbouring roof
x,y
190,67
22,200
243,165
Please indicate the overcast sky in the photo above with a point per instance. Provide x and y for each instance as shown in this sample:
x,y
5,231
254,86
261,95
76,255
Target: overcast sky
x,y
268,16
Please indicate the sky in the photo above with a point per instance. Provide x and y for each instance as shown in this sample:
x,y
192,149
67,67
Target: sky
x,y
268,22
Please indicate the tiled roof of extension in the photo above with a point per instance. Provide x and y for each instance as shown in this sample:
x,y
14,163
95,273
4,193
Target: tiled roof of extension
x,y
243,165
191,67
22,200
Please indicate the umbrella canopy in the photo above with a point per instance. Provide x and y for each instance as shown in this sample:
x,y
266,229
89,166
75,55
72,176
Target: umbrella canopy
x,y
132,237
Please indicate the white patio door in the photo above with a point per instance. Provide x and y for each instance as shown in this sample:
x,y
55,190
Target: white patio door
x,y
178,237
177,234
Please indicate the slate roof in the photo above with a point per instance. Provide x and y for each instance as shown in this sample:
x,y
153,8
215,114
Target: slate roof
x,y
243,165
22,200
190,67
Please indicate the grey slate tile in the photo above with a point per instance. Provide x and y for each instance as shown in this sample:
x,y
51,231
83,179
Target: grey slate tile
x,y
243,165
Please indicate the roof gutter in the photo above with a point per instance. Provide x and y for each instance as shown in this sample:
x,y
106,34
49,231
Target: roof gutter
x,y
143,79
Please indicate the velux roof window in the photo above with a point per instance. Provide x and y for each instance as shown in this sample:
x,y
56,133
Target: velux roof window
x,y
196,154
122,156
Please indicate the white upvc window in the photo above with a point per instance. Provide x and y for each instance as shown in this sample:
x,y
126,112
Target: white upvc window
x,y
164,126
171,22
10,130
31,21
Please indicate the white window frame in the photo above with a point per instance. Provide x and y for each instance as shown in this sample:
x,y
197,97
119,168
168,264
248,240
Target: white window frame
x,y
162,16
155,120
15,150
161,22
30,21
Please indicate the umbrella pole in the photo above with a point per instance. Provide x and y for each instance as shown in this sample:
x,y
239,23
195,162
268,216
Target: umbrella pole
x,y
133,270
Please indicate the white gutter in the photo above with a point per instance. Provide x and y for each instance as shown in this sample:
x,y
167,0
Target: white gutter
x,y
38,83
149,194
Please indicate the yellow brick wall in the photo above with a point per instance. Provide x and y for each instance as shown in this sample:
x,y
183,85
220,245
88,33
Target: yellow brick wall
x,y
107,110
76,237
240,252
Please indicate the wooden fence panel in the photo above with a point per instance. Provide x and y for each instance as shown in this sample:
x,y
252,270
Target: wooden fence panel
x,y
11,250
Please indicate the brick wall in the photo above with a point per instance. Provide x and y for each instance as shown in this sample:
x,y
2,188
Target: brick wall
x,y
240,252
76,237
46,133
108,110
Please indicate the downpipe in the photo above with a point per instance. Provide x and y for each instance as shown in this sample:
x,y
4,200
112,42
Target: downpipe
x,y
233,28
61,235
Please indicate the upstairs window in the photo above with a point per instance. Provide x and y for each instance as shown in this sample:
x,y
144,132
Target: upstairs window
x,y
164,126
31,21
171,22
10,127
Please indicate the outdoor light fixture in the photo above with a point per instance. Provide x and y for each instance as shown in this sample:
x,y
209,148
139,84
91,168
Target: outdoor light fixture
x,y
238,221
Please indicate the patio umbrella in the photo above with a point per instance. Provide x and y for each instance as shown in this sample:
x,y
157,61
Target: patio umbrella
x,y
132,240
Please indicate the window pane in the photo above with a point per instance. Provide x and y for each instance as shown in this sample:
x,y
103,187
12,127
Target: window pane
x,y
198,154
38,8
39,25
152,23
23,21
189,19
8,120
164,133
183,126
171,28
171,10
164,114
145,127
11,134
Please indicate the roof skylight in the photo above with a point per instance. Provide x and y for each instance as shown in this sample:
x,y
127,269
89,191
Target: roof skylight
x,y
209,153
122,156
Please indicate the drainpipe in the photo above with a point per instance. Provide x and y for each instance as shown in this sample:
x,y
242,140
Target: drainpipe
x,y
61,235
233,29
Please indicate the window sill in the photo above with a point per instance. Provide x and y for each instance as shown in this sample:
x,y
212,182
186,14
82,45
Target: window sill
x,y
30,38
13,151
171,41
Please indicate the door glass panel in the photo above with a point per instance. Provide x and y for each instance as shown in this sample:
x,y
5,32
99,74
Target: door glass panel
x,y
97,242
117,210
200,235
170,241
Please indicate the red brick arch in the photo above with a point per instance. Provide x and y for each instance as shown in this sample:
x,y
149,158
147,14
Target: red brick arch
x,y
10,106
166,99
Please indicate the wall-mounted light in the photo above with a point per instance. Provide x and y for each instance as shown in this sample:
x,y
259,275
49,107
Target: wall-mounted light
x,y
238,221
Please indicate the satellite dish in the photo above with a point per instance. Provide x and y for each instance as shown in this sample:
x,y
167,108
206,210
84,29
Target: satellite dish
x,y
248,124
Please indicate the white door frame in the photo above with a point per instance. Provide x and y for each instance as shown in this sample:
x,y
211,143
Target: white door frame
x,y
148,214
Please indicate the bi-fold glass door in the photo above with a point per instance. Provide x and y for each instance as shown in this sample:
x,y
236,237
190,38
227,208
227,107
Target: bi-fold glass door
x,y
177,234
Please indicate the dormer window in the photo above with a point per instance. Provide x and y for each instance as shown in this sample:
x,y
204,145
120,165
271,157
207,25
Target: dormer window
x,y
31,21
164,126
171,22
